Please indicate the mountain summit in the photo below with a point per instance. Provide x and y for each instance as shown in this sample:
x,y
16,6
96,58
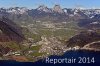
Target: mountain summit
x,y
58,9
44,8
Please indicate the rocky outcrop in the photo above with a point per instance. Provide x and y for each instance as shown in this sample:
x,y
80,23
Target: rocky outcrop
x,y
57,9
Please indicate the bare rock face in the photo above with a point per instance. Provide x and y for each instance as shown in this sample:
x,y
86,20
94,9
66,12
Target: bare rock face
x,y
58,9
11,30
43,8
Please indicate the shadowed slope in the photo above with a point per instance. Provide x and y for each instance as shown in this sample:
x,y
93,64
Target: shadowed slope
x,y
12,30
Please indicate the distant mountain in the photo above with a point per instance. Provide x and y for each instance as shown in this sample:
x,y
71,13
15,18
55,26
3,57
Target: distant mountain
x,y
55,14
44,8
57,9
85,18
93,23
17,10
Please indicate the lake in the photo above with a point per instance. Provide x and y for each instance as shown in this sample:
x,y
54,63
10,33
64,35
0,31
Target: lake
x,y
82,58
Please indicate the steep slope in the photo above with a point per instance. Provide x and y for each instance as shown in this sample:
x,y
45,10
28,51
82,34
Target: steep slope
x,y
83,39
10,29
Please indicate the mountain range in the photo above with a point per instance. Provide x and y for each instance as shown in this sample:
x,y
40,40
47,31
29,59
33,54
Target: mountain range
x,y
56,14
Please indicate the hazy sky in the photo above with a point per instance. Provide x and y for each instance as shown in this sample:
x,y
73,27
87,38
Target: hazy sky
x,y
50,3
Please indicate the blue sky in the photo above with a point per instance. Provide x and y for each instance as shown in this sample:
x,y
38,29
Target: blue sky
x,y
50,3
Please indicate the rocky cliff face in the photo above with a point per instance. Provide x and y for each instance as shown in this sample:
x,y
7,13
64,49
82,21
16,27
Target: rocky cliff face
x,y
44,8
57,9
